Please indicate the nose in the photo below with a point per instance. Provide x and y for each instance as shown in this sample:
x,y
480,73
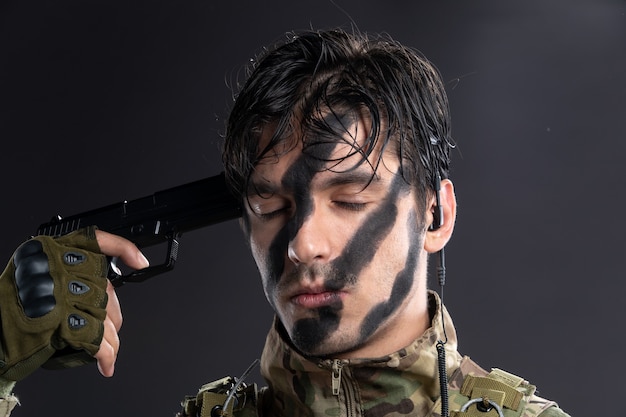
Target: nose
x,y
312,240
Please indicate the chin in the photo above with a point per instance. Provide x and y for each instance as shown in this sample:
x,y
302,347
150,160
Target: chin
x,y
336,350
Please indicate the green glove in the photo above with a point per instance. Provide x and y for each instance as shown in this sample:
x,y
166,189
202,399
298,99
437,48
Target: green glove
x,y
52,299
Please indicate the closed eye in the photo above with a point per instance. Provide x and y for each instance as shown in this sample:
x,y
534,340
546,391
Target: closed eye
x,y
268,207
352,206
272,214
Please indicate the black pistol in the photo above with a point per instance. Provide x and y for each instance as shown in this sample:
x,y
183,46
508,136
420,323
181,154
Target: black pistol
x,y
158,218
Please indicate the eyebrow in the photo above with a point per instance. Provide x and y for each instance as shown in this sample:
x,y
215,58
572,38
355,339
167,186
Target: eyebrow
x,y
260,188
353,177
364,178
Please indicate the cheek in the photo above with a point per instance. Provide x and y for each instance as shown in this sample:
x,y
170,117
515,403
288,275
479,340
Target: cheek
x,y
375,232
269,248
259,245
394,253
404,266
258,254
394,250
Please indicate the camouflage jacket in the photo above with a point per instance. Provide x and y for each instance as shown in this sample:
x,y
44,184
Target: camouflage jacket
x,y
404,383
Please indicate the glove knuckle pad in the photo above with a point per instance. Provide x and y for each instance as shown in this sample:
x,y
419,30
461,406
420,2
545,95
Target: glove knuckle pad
x,y
76,322
78,287
73,258
35,285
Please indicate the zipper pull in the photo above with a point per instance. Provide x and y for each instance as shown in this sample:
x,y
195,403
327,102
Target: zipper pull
x,y
336,376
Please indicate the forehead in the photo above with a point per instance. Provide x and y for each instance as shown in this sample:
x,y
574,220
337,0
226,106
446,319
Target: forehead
x,y
337,144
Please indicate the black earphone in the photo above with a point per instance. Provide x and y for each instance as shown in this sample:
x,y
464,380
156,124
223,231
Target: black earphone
x,y
437,210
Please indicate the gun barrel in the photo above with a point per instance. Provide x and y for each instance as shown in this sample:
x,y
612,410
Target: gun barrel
x,y
155,218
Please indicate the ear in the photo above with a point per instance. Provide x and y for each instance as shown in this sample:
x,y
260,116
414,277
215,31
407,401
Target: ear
x,y
435,239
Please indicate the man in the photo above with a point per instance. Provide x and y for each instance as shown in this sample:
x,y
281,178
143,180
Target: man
x,y
338,148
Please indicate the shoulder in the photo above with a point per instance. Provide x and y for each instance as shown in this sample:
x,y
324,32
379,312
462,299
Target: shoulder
x,y
472,387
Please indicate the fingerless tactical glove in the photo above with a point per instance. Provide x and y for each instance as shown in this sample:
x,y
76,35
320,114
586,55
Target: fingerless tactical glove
x,y
52,297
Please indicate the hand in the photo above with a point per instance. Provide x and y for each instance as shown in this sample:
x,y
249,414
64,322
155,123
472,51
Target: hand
x,y
128,253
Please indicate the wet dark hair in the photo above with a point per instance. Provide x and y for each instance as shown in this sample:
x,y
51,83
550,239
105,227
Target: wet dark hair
x,y
298,85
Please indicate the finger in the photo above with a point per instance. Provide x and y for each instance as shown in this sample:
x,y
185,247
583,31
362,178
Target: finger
x,y
114,310
107,354
113,245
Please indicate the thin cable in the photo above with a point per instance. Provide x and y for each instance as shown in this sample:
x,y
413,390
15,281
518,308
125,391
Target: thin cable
x,y
441,277
237,385
441,348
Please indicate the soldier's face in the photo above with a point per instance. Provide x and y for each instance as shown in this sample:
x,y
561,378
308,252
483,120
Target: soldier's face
x,y
339,246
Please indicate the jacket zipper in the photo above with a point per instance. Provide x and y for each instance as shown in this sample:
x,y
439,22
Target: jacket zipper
x,y
337,366
336,372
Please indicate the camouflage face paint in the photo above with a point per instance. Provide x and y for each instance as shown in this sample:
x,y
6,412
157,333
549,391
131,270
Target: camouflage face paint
x,y
401,285
297,178
297,181
309,333
321,326
364,244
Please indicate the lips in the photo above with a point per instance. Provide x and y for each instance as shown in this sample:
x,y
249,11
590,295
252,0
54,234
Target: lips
x,y
308,298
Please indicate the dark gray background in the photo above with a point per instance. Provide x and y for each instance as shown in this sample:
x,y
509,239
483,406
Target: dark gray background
x,y
103,101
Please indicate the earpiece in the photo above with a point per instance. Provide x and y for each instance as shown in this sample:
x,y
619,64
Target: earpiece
x,y
437,210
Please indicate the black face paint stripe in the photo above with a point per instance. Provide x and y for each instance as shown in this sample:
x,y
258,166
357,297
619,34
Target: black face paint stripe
x,y
402,283
309,333
298,177
297,180
362,247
